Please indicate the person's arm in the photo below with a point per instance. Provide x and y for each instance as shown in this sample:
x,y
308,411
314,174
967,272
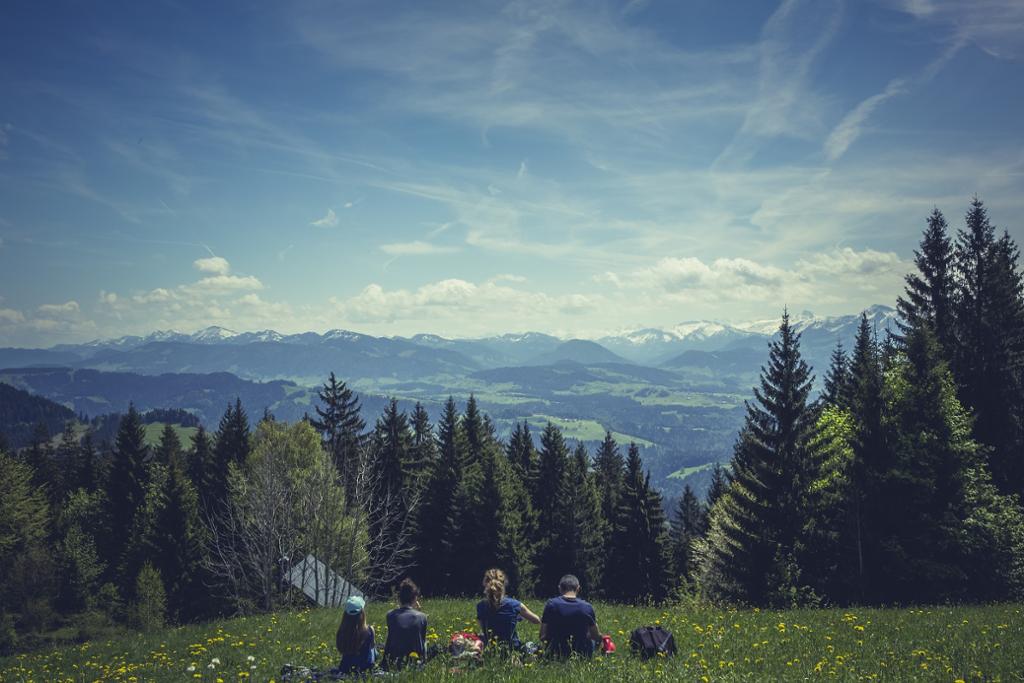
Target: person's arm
x,y
544,622
525,613
594,632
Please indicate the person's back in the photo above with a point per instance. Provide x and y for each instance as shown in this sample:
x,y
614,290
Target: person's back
x,y
355,640
407,628
498,614
500,624
569,624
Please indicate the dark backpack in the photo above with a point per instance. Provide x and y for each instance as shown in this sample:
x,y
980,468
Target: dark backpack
x,y
649,641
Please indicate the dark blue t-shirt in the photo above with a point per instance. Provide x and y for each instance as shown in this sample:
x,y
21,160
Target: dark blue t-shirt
x,y
569,621
500,624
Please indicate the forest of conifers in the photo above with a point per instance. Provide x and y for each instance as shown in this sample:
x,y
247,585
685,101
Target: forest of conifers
x,y
899,483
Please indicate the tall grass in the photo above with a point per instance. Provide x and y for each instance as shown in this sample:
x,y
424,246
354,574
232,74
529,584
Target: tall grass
x,y
940,643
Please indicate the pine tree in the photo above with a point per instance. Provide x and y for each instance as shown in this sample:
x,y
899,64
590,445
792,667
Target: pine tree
x,y
581,530
90,471
423,454
475,430
341,428
202,469
929,291
756,526
639,566
523,456
609,470
169,449
921,547
837,379
174,540
393,445
502,515
65,475
230,445
719,485
871,459
436,508
550,507
689,524
126,492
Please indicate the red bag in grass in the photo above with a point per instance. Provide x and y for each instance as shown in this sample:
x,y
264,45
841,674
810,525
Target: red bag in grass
x,y
607,646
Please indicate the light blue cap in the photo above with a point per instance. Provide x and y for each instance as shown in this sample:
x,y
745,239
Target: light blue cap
x,y
354,605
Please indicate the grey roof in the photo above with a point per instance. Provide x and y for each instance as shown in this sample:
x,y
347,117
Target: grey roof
x,y
320,583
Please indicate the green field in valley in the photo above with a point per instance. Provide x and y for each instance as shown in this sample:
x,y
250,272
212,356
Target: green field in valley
x,y
154,430
929,644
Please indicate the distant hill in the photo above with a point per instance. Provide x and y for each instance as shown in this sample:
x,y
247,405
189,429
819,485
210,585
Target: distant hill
x,y
94,392
578,351
20,412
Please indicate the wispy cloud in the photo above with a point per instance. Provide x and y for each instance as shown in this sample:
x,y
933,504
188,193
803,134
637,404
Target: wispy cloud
x,y
416,248
849,129
329,220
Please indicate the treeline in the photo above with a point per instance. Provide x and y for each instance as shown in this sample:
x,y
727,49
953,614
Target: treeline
x,y
903,483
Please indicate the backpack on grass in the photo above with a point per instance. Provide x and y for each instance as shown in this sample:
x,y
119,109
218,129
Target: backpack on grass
x,y
651,641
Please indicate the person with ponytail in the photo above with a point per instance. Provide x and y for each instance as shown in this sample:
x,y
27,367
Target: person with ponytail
x,y
498,614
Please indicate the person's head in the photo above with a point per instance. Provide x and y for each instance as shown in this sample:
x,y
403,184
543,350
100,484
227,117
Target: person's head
x,y
408,592
353,629
568,584
494,587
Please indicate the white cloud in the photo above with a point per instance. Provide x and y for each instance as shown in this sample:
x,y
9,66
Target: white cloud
x,y
66,309
844,262
415,248
109,298
224,283
330,220
995,26
476,307
11,316
158,295
213,264
4,139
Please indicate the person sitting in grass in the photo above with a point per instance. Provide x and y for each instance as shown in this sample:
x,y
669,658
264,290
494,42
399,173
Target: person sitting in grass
x,y
569,624
355,639
498,614
407,628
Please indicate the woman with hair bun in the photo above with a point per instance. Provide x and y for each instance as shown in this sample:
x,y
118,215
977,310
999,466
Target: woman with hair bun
x,y
498,614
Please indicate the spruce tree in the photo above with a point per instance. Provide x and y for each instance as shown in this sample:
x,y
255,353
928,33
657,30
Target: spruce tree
x,y
393,445
550,507
837,379
756,526
436,508
230,445
921,548
928,296
475,430
688,524
871,459
202,468
609,470
169,448
341,428
523,456
126,492
502,515
174,540
423,453
639,567
581,531
719,485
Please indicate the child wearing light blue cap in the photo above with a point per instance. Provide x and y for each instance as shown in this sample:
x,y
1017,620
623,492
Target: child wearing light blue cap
x,y
355,640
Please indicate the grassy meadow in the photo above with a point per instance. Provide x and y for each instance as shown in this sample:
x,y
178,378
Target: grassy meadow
x,y
929,644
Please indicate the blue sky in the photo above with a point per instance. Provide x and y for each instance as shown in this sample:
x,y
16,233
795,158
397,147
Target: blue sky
x,y
472,168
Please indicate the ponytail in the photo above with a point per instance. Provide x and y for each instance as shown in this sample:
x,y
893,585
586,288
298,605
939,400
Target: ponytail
x,y
494,587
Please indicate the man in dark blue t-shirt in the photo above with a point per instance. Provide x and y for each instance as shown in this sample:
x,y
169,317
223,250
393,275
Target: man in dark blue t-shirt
x,y
569,623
